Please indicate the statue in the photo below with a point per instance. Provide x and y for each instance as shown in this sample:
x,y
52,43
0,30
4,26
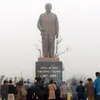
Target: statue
x,y
48,26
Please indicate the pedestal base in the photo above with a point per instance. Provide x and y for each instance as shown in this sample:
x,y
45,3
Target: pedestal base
x,y
49,70
43,59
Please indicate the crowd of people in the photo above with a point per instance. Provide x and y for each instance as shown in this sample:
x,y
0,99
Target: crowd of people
x,y
51,91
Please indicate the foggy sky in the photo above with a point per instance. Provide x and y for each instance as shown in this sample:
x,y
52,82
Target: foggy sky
x,y
79,22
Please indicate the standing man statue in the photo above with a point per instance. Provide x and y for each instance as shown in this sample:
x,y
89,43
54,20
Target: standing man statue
x,y
48,26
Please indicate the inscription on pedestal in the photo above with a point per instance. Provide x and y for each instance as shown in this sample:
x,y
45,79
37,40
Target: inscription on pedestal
x,y
49,70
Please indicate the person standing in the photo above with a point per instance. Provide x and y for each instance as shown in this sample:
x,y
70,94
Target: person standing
x,y
22,92
97,86
80,91
90,89
4,91
48,26
52,88
37,90
63,91
11,90
73,90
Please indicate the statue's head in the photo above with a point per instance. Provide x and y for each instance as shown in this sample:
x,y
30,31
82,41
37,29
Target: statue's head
x,y
48,7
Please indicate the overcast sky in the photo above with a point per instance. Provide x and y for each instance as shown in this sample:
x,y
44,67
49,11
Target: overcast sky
x,y
79,22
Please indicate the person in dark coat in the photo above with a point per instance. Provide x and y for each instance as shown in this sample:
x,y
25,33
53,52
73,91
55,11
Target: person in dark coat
x,y
4,91
80,91
11,90
29,92
15,91
37,90
46,91
57,92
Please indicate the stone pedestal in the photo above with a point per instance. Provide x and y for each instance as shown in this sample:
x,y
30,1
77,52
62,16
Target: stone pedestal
x,y
49,68
42,59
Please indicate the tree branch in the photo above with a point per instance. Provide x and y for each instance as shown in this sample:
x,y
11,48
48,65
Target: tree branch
x,y
39,50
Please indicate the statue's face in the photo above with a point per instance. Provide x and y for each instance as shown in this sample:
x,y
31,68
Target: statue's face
x,y
48,7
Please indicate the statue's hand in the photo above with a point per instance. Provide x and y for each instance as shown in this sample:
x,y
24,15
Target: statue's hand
x,y
56,36
42,30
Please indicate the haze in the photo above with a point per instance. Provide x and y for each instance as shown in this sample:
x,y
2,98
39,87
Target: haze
x,y
79,22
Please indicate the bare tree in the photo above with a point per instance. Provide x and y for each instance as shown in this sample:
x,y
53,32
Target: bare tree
x,y
15,79
58,41
1,78
75,80
39,50
28,80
